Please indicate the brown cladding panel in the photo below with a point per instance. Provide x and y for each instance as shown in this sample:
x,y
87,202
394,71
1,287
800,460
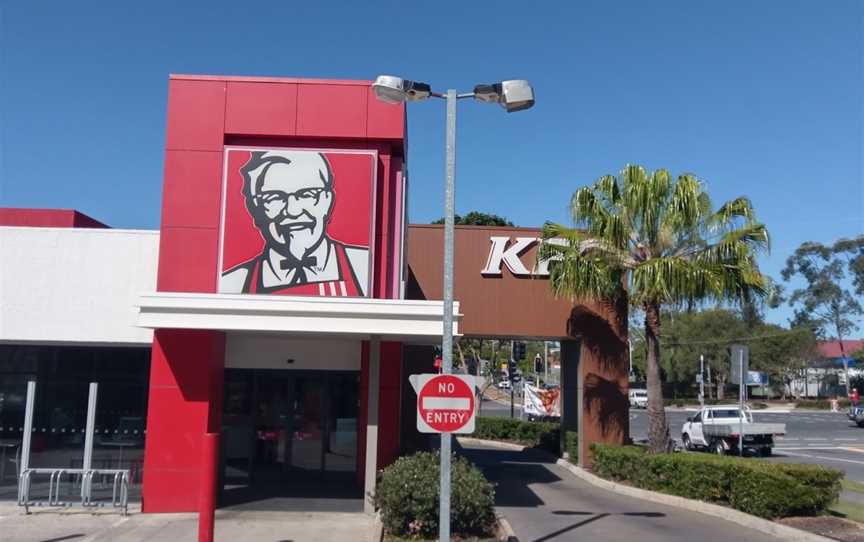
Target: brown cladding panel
x,y
502,306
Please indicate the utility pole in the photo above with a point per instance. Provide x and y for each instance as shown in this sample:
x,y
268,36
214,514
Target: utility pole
x,y
701,380
546,361
510,375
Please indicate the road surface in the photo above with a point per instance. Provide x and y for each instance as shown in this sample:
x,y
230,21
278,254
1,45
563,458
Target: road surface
x,y
544,502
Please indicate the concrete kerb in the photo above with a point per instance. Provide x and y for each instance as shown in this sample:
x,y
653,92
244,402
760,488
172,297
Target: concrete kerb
x,y
778,530
506,529
784,532
377,532
493,444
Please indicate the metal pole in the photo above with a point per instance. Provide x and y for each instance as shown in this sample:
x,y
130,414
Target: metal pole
x,y
512,382
630,353
91,425
447,336
701,380
742,384
28,427
546,361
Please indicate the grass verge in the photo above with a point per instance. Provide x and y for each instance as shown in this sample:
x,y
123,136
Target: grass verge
x,y
852,485
848,510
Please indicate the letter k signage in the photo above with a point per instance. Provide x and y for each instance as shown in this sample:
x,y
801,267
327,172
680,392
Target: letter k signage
x,y
445,403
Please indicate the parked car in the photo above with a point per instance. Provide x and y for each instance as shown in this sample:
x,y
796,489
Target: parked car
x,y
638,398
717,429
504,385
856,414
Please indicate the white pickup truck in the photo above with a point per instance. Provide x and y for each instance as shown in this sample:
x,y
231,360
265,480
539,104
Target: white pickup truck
x,y
717,428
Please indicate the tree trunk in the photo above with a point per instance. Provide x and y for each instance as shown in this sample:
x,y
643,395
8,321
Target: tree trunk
x,y
721,386
845,362
658,430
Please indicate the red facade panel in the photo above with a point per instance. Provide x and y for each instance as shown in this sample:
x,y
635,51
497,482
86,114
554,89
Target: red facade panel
x,y
389,399
331,110
47,218
192,191
385,121
205,113
186,369
196,115
187,260
261,109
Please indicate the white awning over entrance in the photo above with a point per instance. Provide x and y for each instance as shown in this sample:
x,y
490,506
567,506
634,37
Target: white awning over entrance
x,y
388,319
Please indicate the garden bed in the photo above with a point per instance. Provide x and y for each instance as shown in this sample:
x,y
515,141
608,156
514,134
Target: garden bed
x,y
756,487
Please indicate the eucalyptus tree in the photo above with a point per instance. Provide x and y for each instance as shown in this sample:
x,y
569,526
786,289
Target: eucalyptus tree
x,y
825,303
657,242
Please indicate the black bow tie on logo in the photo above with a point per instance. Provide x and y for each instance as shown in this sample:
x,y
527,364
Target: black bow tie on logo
x,y
299,267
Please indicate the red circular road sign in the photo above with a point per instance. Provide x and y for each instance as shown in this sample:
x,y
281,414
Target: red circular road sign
x,y
446,403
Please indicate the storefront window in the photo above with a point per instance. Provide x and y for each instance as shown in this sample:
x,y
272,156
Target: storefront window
x,y
62,375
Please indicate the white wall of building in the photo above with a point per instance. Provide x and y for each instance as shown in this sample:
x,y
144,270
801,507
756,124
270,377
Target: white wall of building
x,y
262,351
75,285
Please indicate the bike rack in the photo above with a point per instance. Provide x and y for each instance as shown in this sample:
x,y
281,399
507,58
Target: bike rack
x,y
120,486
119,492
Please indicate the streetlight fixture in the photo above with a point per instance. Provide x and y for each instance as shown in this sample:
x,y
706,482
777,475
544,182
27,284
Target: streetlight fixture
x,y
513,95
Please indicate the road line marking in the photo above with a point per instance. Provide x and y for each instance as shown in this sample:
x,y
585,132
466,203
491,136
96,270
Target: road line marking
x,y
828,458
857,450
808,447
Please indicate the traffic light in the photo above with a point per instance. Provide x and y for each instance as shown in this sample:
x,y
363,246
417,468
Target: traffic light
x,y
519,350
511,368
538,364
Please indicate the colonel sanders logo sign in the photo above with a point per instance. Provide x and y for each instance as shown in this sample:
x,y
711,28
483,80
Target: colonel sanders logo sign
x,y
297,222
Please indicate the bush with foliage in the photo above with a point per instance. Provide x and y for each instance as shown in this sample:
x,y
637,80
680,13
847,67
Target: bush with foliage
x,y
543,435
407,497
822,404
769,490
571,446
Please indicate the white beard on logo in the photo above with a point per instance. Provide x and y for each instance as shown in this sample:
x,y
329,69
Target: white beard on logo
x,y
298,243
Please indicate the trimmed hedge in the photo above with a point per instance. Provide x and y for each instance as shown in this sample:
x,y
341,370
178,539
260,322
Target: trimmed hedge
x,y
822,404
407,496
543,435
768,490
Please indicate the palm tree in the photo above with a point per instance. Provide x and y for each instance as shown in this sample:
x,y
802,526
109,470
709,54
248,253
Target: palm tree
x,y
656,242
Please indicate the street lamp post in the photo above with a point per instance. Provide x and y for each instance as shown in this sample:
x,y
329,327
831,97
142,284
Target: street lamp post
x,y
513,95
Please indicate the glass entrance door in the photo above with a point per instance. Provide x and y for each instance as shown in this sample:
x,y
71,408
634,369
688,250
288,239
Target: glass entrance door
x,y
307,429
288,432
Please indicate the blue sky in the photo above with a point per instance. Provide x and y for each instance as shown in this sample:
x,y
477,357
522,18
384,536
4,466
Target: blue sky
x,y
762,99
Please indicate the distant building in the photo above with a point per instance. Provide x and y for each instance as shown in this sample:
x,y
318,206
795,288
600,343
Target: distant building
x,y
824,376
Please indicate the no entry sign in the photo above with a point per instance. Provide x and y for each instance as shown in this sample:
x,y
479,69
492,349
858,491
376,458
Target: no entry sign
x,y
445,403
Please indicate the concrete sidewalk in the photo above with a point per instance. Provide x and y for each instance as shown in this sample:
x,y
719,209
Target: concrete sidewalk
x,y
76,525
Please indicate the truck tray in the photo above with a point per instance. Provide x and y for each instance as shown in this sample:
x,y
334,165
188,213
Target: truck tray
x,y
727,430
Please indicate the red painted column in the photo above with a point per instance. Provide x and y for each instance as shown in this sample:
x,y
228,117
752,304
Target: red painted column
x,y
184,403
207,498
388,403
389,396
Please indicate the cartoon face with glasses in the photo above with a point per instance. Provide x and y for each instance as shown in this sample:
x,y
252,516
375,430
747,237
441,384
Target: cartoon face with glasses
x,y
290,196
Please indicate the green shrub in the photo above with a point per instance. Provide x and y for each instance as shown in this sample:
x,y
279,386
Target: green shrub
x,y
754,486
543,435
822,404
408,491
772,494
571,446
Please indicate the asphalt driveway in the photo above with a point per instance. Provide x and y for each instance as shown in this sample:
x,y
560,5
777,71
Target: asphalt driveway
x,y
545,502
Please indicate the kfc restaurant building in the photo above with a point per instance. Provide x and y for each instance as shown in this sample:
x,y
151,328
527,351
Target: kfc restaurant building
x,y
275,306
